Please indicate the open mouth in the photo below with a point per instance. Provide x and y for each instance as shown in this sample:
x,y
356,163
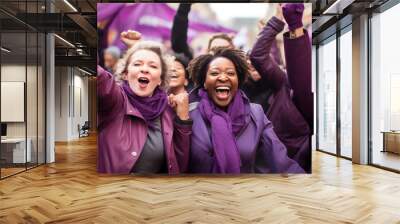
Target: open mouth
x,y
174,76
222,92
143,81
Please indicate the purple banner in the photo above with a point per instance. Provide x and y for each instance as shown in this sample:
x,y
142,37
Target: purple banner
x,y
153,20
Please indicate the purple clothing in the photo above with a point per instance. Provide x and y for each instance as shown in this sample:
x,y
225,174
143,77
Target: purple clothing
x,y
291,119
123,131
153,21
298,66
107,11
293,14
225,126
260,149
149,107
276,53
194,94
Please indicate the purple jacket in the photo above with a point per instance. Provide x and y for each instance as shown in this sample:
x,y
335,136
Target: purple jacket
x,y
123,131
291,104
260,149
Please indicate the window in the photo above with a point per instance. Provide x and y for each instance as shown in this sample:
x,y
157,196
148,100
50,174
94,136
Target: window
x,y
22,75
346,94
327,96
385,89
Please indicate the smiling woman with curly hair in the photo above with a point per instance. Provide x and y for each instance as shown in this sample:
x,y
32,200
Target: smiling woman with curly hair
x,y
230,134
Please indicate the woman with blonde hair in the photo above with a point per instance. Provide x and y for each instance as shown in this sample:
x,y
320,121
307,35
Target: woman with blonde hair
x,y
139,132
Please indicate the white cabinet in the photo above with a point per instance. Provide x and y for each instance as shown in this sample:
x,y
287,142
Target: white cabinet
x,y
16,148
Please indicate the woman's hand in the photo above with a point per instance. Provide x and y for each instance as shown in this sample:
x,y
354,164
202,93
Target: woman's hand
x,y
180,103
261,23
130,37
278,12
293,13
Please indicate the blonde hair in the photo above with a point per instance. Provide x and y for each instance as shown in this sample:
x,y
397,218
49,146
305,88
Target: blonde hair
x,y
223,36
157,48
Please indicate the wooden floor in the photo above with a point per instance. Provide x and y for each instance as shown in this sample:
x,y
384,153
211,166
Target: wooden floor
x,y
70,191
10,171
387,159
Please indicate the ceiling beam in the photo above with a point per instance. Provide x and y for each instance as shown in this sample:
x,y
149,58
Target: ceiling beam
x,y
86,27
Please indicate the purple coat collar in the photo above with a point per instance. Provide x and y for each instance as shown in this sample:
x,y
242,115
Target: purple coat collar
x,y
122,131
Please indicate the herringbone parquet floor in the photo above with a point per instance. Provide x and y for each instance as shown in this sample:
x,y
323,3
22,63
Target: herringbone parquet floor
x,y
70,191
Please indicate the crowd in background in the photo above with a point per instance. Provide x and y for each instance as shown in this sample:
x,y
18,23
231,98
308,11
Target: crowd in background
x,y
167,106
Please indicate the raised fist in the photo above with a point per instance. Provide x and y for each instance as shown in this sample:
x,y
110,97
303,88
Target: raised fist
x,y
293,14
180,103
130,37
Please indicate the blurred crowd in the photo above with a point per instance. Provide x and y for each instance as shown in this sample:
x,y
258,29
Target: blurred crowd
x,y
222,107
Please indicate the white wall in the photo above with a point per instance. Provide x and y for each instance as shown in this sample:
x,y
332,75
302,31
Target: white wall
x,y
80,110
12,73
33,126
61,103
71,93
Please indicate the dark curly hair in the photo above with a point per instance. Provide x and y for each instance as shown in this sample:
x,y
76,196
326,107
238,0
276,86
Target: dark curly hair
x,y
198,67
181,58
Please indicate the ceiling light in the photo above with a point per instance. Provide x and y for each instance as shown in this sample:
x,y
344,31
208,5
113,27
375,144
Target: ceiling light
x,y
333,6
337,7
64,40
86,72
70,5
5,49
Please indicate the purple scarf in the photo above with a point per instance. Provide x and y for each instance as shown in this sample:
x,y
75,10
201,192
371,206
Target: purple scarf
x,y
149,107
225,126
